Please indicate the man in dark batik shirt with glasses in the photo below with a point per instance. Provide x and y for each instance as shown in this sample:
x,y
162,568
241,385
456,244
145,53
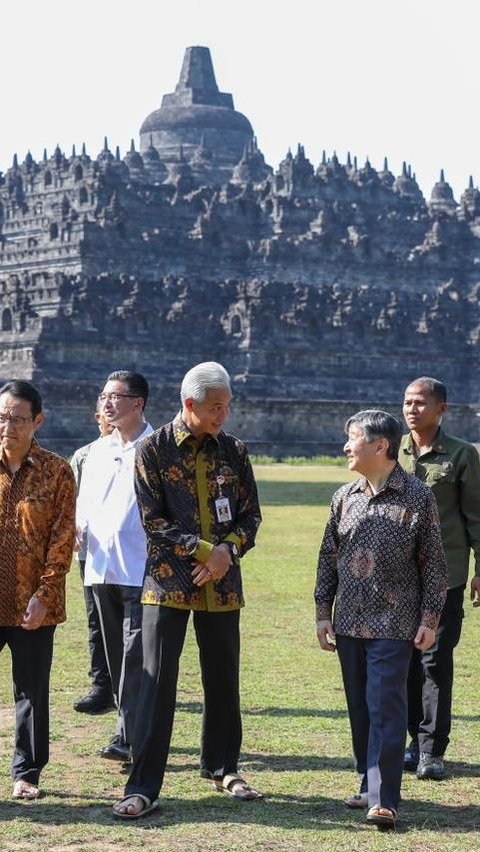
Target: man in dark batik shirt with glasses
x,y
199,507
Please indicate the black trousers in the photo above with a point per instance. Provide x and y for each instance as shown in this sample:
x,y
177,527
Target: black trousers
x,y
32,652
218,640
430,681
120,613
99,674
375,677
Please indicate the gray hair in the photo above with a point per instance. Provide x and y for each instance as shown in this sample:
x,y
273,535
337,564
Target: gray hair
x,y
202,378
376,424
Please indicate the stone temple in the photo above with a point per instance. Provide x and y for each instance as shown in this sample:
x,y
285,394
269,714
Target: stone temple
x,y
322,288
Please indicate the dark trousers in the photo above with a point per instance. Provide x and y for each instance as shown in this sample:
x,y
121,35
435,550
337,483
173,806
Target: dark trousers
x,y
218,640
430,681
120,613
99,674
375,679
31,652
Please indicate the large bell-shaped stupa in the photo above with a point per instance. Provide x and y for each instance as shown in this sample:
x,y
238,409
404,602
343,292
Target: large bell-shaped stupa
x,y
197,116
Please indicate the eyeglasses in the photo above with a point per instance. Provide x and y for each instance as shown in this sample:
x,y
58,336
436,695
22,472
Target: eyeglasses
x,y
114,397
14,419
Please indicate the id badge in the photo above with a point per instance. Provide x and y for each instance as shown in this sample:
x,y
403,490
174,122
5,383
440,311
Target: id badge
x,y
222,508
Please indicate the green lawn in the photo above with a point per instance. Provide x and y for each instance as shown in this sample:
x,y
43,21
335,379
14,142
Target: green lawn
x,y
296,737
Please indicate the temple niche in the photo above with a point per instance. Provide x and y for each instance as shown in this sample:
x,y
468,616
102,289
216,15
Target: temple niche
x,y
315,282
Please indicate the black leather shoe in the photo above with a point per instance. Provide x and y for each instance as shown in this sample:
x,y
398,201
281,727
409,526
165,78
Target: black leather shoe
x,y
430,766
117,749
411,758
94,702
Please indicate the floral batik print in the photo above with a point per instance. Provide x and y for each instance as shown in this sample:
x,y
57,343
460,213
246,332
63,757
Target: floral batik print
x,y
37,529
382,560
177,481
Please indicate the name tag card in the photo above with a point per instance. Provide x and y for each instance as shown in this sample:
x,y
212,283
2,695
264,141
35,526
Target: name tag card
x,y
222,508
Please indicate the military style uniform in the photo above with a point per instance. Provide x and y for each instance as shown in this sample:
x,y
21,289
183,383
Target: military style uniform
x,y
451,468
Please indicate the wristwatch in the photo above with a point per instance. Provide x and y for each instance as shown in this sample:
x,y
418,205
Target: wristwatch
x,y
233,549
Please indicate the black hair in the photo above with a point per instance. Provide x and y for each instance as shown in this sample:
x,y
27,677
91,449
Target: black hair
x,y
20,389
376,424
435,387
136,383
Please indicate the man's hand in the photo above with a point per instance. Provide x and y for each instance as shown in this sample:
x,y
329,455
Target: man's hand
x,y
34,615
424,639
475,591
215,567
326,635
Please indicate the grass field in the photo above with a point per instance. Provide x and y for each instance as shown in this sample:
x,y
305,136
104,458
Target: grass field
x,y
296,745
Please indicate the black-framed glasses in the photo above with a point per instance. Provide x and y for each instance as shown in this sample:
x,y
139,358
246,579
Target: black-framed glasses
x,y
114,397
14,419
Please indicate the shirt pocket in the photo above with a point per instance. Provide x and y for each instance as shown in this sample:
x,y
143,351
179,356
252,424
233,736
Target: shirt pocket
x,y
438,475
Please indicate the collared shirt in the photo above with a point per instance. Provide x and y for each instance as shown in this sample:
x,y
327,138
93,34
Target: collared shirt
x,y
178,481
107,510
382,560
76,463
451,469
37,529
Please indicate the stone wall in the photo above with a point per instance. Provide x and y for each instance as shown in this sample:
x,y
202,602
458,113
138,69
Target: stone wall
x,y
273,427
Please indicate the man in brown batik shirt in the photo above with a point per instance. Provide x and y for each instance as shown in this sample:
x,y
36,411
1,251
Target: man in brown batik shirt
x,y
37,529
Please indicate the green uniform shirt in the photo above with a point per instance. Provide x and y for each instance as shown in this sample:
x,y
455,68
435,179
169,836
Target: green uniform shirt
x,y
452,470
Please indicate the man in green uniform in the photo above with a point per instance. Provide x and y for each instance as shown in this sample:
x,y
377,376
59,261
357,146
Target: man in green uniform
x,y
451,467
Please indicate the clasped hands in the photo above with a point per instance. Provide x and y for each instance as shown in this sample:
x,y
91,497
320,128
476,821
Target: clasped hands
x,y
215,567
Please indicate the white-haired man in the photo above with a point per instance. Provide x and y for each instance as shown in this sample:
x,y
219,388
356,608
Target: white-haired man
x,y
199,507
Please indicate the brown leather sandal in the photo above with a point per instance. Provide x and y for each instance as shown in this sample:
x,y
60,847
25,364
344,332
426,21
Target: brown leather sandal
x,y
237,788
383,817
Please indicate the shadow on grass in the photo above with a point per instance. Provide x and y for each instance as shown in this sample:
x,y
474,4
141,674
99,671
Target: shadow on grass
x,y
313,712
297,493
296,712
256,762
466,770
289,812
272,762
464,718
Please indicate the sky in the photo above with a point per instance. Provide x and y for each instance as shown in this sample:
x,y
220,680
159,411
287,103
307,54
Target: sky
x,y
374,77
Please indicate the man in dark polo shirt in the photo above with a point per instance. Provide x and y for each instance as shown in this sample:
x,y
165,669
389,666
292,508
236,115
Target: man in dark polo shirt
x,y
199,507
451,467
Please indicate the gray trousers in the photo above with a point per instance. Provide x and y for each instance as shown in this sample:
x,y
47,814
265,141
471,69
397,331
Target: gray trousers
x,y
120,613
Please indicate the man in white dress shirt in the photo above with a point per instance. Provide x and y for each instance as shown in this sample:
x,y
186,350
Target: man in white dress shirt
x,y
115,565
